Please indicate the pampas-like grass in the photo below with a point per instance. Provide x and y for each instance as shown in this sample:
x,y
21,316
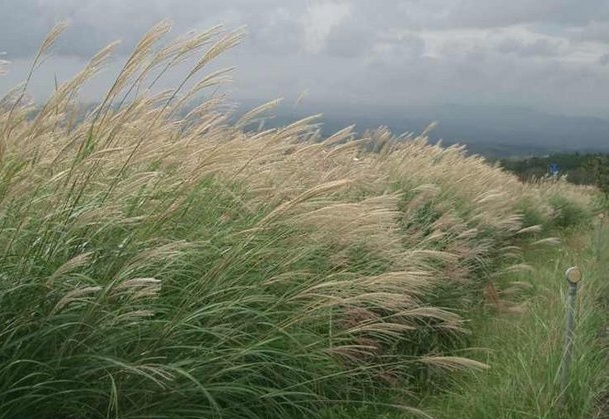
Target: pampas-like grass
x,y
155,265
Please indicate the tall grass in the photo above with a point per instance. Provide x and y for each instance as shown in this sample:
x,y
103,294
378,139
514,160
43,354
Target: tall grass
x,y
526,349
159,265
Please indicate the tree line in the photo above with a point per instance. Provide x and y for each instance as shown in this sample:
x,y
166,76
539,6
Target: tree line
x,y
581,169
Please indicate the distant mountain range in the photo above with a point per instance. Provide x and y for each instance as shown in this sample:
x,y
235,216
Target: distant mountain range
x,y
494,131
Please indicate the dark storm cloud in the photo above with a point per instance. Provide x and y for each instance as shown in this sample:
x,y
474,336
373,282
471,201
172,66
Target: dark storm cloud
x,y
96,23
350,39
492,13
594,31
539,47
23,27
552,53
455,14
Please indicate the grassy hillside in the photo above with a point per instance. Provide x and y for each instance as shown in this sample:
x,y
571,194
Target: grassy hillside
x,y
526,348
162,266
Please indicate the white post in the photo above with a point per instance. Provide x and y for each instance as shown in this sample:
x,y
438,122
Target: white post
x,y
574,275
597,238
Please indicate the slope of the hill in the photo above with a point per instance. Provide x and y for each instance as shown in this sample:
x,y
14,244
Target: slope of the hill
x,y
155,265
523,344
525,349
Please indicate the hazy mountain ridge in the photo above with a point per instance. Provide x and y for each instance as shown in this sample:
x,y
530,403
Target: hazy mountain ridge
x,y
493,131
489,130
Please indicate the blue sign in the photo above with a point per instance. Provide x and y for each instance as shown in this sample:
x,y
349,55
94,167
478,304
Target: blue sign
x,y
554,169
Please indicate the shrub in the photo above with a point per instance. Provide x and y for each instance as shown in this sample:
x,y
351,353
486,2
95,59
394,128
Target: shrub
x,y
568,213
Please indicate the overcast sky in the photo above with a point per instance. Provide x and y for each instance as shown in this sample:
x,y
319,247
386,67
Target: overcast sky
x,y
547,54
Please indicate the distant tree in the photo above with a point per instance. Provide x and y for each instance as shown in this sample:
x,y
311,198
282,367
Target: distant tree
x,y
599,167
581,169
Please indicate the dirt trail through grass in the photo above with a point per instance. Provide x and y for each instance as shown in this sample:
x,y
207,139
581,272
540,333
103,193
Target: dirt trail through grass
x,y
525,348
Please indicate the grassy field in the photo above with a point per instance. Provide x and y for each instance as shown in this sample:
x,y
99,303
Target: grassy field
x,y
169,266
525,349
522,343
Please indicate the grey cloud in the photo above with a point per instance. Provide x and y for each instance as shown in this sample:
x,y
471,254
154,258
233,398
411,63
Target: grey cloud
x,y
594,31
23,27
537,48
274,24
96,23
452,14
350,39
491,13
362,35
275,30
391,52
401,48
